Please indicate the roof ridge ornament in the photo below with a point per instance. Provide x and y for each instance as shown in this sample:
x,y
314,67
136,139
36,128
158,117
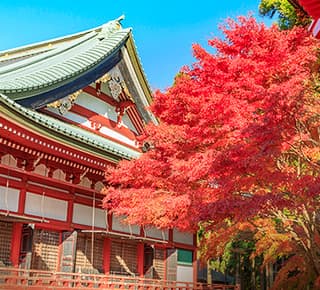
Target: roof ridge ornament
x,y
110,27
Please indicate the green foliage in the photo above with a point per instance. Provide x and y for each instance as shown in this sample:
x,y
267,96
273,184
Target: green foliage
x,y
226,262
237,257
287,15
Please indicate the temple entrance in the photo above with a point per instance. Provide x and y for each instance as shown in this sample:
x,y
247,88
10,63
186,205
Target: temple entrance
x,y
148,261
26,246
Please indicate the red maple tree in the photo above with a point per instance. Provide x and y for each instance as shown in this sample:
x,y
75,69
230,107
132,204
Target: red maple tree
x,y
238,135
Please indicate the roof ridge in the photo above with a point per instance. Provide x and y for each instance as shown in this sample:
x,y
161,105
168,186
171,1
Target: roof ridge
x,y
45,54
73,59
6,53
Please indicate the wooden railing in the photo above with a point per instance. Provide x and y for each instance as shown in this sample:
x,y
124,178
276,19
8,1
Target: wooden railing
x,y
19,279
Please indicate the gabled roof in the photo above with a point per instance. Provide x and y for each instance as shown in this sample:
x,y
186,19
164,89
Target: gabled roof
x,y
38,74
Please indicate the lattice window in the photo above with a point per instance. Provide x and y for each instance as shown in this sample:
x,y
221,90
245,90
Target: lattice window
x,y
5,243
45,250
84,263
123,258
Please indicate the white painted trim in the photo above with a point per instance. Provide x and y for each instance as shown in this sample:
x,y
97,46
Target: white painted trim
x,y
316,27
136,82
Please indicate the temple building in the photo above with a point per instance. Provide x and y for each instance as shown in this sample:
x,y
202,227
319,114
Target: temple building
x,y
69,107
312,9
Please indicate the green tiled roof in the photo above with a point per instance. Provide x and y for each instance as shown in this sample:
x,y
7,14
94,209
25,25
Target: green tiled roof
x,y
35,74
92,140
57,62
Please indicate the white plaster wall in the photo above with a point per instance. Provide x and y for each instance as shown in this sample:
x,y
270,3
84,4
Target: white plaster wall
x,y
102,108
82,214
75,117
118,225
44,206
127,123
117,136
156,233
97,105
9,198
184,273
182,237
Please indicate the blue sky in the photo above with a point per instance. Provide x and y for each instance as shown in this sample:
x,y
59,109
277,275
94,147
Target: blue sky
x,y
164,31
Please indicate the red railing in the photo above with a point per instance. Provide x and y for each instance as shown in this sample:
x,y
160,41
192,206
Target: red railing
x,y
18,279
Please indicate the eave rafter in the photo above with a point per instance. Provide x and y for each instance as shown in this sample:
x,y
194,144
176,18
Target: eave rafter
x,y
33,145
28,159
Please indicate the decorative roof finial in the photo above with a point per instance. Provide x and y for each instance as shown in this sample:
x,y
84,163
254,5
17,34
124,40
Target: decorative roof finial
x,y
110,27
120,18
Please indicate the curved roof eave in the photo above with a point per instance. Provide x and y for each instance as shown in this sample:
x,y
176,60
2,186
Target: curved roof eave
x,y
65,68
66,133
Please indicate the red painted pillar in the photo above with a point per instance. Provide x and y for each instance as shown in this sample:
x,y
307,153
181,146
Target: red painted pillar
x,y
106,255
22,196
16,244
140,258
70,212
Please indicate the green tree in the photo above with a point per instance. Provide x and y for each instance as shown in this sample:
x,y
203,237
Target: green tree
x,y
288,15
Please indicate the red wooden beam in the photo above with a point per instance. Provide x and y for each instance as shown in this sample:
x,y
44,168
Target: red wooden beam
x,y
312,7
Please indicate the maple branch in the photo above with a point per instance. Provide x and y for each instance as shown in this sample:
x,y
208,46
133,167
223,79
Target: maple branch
x,y
309,247
303,156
